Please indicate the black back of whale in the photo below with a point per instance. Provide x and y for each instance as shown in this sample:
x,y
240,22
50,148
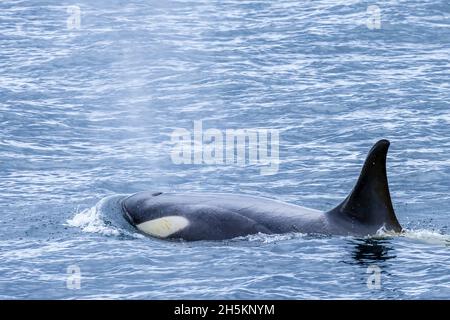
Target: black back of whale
x,y
215,216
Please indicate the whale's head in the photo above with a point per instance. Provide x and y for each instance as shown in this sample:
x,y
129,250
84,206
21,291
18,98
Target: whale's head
x,y
142,210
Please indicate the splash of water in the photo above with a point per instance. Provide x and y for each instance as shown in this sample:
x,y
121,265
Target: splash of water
x,y
104,218
424,235
428,236
270,238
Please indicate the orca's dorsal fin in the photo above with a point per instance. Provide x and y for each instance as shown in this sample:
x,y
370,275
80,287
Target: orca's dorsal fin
x,y
370,203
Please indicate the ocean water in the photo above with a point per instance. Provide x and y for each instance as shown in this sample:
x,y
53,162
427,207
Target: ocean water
x,y
90,92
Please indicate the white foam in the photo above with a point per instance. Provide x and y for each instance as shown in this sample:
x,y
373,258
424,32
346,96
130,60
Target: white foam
x,y
428,236
424,235
89,220
270,238
104,218
384,233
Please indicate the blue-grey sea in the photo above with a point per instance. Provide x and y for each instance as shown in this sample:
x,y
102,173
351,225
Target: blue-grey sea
x,y
91,91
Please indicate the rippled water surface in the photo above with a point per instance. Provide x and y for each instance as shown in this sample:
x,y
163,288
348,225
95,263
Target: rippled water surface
x,y
86,114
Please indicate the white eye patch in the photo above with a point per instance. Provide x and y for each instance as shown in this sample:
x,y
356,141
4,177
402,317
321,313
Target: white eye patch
x,y
163,227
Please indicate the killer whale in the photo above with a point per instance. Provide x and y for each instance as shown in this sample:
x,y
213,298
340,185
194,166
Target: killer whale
x,y
216,216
